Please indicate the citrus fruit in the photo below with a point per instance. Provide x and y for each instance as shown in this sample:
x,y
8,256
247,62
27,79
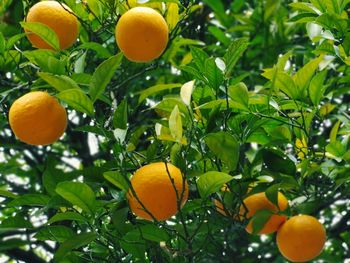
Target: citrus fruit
x,y
158,186
37,118
301,238
258,202
59,18
141,34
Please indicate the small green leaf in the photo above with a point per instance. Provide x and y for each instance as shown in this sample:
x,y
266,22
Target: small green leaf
x,y
272,194
155,89
234,52
239,93
117,179
60,83
78,194
100,50
317,87
212,73
175,124
224,146
334,132
277,162
72,216
211,182
15,222
172,15
44,32
103,75
74,242
259,220
78,100
2,44
30,200
54,233
120,116
153,233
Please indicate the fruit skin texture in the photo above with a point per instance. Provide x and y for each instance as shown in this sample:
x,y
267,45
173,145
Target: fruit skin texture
x,y
142,34
52,14
154,189
259,201
301,238
37,118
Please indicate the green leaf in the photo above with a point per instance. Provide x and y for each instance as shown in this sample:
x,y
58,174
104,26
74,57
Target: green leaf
x,y
30,200
7,194
175,124
117,179
44,32
282,81
100,50
272,194
212,73
317,87
234,52
78,100
2,44
54,233
199,57
60,83
212,182
334,132
133,243
15,222
304,75
74,242
277,162
155,89
120,116
259,220
78,194
46,60
103,75
172,15
72,216
239,93
224,146
153,233
336,148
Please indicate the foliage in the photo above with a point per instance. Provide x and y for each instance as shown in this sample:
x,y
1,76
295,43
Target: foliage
x,y
248,93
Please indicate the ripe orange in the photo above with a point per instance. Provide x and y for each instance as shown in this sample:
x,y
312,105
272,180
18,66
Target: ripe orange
x,y
301,238
155,191
259,201
56,17
142,34
37,118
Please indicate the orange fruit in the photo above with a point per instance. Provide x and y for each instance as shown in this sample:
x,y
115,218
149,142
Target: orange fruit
x,y
142,34
301,238
259,201
55,16
37,118
154,189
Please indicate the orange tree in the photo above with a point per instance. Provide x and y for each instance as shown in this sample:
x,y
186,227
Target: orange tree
x,y
180,125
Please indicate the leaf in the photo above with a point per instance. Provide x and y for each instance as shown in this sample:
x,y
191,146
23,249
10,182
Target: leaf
x,y
304,75
153,233
103,75
234,52
317,87
74,242
60,83
282,81
54,233
72,216
155,89
100,50
78,194
225,147
239,93
172,16
46,60
259,220
78,100
272,194
336,148
30,200
199,57
120,116
2,44
117,179
277,162
334,132
44,32
15,222
211,182
175,124
186,92
212,73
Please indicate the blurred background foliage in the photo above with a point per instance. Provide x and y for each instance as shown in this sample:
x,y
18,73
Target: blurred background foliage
x,y
269,108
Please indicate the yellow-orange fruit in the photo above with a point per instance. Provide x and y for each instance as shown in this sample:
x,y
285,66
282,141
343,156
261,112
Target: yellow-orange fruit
x,y
59,18
142,34
37,118
154,188
301,238
259,201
